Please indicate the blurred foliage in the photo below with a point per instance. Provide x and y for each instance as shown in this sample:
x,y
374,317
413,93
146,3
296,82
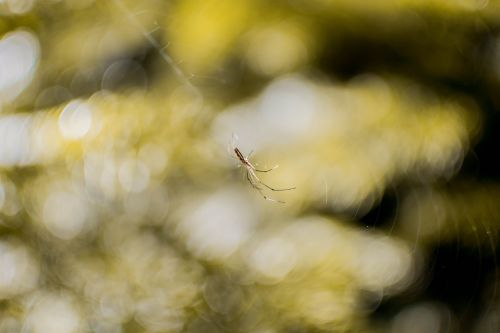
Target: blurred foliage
x,y
122,208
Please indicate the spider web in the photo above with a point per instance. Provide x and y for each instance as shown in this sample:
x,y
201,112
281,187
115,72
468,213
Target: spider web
x,y
450,260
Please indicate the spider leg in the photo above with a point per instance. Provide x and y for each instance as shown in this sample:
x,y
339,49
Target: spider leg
x,y
258,188
254,168
257,179
277,189
274,167
273,200
252,182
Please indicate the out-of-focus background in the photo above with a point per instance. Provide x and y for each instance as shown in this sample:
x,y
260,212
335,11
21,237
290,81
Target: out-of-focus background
x,y
123,209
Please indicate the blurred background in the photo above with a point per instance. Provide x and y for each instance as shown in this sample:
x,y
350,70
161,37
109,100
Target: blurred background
x,y
123,209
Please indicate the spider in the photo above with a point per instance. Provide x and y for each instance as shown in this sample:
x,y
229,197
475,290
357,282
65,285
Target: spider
x,y
254,180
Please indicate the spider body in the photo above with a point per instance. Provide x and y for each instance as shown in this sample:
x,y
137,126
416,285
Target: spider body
x,y
242,159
